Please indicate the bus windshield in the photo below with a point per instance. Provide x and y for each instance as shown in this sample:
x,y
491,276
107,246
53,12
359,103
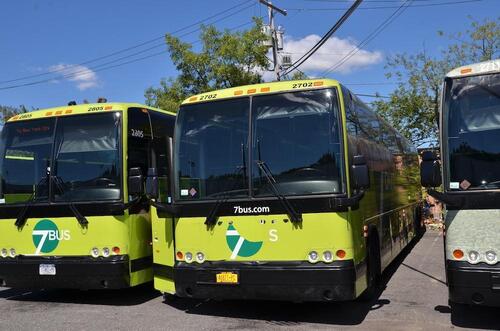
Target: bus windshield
x,y
472,109
84,161
295,134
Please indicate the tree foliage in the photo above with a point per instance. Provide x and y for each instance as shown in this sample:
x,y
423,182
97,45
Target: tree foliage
x,y
413,107
7,112
225,59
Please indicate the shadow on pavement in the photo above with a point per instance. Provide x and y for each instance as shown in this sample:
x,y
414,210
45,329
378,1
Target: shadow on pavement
x,y
124,297
476,317
288,313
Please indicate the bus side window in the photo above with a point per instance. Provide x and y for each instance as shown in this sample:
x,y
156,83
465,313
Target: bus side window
x,y
163,128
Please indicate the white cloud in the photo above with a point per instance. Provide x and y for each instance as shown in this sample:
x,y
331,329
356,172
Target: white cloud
x,y
82,76
331,53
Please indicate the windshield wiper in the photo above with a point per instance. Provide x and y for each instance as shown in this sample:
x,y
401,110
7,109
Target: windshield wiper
x,y
22,216
295,217
79,217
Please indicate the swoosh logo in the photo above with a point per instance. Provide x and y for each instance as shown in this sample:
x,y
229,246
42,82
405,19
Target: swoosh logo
x,y
239,245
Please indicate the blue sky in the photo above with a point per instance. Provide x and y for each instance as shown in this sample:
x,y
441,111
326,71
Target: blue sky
x,y
54,35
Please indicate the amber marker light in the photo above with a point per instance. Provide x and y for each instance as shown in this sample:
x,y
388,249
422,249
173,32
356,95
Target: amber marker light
x,y
458,254
116,250
340,253
180,256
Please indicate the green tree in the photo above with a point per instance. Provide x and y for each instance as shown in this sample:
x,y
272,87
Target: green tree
x,y
413,107
226,59
7,112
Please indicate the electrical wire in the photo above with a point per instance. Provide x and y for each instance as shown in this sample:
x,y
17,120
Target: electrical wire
x,y
323,39
387,7
371,36
138,45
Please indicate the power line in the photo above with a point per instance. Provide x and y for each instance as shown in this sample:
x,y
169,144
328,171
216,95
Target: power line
x,y
140,44
323,40
371,36
388,7
102,67
372,95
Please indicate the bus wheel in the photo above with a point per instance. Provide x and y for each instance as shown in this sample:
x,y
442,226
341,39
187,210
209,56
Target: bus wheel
x,y
373,273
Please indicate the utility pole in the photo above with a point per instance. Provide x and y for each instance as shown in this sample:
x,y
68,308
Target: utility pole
x,y
274,35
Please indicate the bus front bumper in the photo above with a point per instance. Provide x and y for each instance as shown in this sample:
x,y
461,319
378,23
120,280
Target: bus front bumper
x,y
477,284
295,281
75,272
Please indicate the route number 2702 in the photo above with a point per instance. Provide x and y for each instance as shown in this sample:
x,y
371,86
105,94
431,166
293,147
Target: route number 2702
x,y
299,85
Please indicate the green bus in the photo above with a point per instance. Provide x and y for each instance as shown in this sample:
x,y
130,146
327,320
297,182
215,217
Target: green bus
x,y
72,208
290,190
470,155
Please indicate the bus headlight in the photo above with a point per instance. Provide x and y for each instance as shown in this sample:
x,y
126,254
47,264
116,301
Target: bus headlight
x,y
106,252
473,257
313,256
12,252
94,252
491,257
327,256
200,257
188,257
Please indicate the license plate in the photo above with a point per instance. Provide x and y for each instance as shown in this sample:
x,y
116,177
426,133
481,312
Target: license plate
x,y
47,269
226,278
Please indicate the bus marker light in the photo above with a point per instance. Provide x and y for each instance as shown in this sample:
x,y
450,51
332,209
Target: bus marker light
x,y
59,112
473,257
265,89
239,92
189,257
491,257
466,71
340,253
327,256
180,256
252,90
12,252
106,252
68,111
49,113
94,252
313,257
318,83
458,254
365,231
200,257
116,250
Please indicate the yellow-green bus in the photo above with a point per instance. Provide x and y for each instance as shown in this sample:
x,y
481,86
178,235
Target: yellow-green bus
x,y
290,190
72,209
470,154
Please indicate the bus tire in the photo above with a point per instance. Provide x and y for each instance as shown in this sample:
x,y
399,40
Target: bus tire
x,y
373,266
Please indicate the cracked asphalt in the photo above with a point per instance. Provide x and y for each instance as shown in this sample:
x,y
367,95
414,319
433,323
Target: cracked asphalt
x,y
413,296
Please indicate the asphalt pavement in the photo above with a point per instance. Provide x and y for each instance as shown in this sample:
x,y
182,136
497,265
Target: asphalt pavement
x,y
413,296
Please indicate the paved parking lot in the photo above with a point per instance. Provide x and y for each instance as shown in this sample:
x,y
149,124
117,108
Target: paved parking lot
x,y
413,297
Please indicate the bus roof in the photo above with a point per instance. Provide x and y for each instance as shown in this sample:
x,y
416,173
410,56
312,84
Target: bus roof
x,y
263,88
81,109
480,68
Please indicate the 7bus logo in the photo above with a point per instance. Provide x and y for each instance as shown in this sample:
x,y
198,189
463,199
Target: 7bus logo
x,y
46,236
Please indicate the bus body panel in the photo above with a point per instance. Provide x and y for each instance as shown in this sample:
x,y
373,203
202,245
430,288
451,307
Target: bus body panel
x,y
163,251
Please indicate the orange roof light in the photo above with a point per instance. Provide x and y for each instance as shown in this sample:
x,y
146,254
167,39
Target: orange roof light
x,y
318,83
252,90
466,71
59,112
239,92
458,254
265,89
108,107
68,111
193,98
49,113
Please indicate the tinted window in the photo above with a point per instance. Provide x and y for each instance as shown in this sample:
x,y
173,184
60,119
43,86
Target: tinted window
x,y
139,139
297,136
211,142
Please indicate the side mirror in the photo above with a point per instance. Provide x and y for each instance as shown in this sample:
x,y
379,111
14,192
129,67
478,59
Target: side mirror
x,y
152,183
135,182
360,175
430,170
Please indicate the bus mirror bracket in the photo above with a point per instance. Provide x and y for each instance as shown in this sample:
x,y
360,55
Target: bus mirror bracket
x,y
430,170
152,189
135,182
360,174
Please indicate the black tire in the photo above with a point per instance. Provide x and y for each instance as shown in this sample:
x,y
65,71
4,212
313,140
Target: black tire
x,y
374,268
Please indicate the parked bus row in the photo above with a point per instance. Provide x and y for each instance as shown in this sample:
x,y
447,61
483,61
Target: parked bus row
x,y
290,190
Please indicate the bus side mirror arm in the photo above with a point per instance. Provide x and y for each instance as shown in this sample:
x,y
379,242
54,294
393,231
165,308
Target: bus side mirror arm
x,y
430,170
360,173
135,182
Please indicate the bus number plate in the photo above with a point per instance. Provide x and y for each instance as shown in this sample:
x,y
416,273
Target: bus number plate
x,y
227,278
47,269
